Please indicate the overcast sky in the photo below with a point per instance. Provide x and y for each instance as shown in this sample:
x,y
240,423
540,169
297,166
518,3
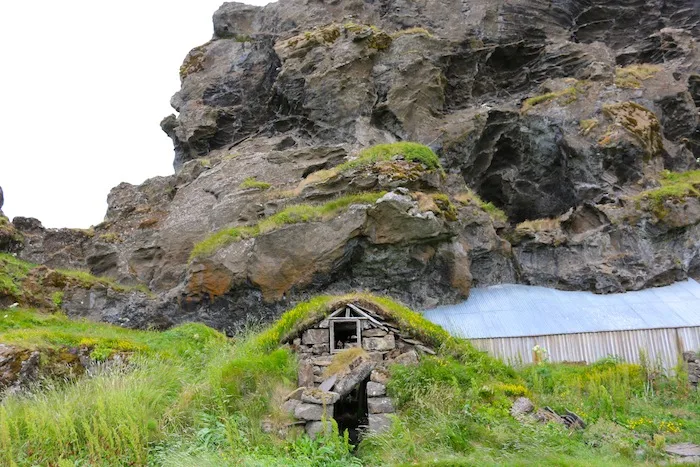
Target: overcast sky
x,y
84,86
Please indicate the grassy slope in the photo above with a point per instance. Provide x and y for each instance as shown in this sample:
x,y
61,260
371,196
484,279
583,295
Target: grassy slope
x,y
192,397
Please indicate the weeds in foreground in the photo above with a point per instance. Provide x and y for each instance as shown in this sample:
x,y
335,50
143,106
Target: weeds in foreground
x,y
192,397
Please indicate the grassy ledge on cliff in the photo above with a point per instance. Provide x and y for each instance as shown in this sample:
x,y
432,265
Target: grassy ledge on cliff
x,y
295,214
190,396
37,286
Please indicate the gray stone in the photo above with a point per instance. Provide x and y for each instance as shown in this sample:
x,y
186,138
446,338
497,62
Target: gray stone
x,y
379,376
379,343
290,406
348,381
376,356
313,429
305,375
521,406
375,389
683,449
319,396
296,394
315,336
320,349
379,423
375,332
328,384
305,411
380,405
424,349
408,358
322,361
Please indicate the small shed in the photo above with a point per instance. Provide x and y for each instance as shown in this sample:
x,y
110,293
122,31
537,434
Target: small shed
x,y
343,361
508,321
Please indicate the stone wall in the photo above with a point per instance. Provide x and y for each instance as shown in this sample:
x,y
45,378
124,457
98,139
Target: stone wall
x,y
384,344
692,361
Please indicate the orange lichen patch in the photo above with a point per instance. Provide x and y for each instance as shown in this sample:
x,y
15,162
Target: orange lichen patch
x,y
208,279
640,122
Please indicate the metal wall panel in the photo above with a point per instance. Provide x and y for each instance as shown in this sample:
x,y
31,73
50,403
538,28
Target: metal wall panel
x,y
519,310
662,345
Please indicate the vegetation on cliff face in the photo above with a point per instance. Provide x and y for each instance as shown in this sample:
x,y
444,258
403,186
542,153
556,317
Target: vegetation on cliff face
x,y
295,214
18,284
190,396
674,187
632,76
383,152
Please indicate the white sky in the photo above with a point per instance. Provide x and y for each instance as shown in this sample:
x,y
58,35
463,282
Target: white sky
x,y
84,86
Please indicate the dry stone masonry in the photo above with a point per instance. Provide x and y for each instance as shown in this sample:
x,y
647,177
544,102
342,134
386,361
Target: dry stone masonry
x,y
354,393
692,360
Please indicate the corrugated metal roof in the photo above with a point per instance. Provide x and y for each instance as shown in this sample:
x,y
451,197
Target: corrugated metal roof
x,y
521,310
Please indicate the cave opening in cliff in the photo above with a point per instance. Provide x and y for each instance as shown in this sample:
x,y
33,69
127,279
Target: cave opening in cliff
x,y
351,412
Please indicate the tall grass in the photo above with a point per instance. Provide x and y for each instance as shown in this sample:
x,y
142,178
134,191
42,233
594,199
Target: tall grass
x,y
189,396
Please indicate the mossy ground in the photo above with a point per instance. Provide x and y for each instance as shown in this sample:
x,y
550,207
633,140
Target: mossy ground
x,y
675,186
16,285
563,97
470,198
295,214
190,396
252,182
633,76
383,152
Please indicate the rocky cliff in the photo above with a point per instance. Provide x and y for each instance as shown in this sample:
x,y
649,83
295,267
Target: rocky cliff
x,y
543,143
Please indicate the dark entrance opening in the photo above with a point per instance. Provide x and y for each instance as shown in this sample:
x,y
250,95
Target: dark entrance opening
x,y
351,412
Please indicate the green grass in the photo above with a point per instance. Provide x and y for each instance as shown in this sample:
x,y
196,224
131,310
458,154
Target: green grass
x,y
12,272
632,76
469,197
295,214
383,152
190,396
564,96
87,280
253,183
674,186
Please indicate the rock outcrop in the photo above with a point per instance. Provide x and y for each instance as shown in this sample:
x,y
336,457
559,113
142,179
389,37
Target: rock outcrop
x,y
559,129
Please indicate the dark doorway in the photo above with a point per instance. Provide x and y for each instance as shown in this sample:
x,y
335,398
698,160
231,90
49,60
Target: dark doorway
x,y
351,412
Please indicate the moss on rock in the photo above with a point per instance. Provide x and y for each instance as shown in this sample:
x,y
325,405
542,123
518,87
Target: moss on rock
x,y
640,122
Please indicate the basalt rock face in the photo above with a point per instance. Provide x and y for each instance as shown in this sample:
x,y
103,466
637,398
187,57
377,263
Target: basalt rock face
x,y
564,115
